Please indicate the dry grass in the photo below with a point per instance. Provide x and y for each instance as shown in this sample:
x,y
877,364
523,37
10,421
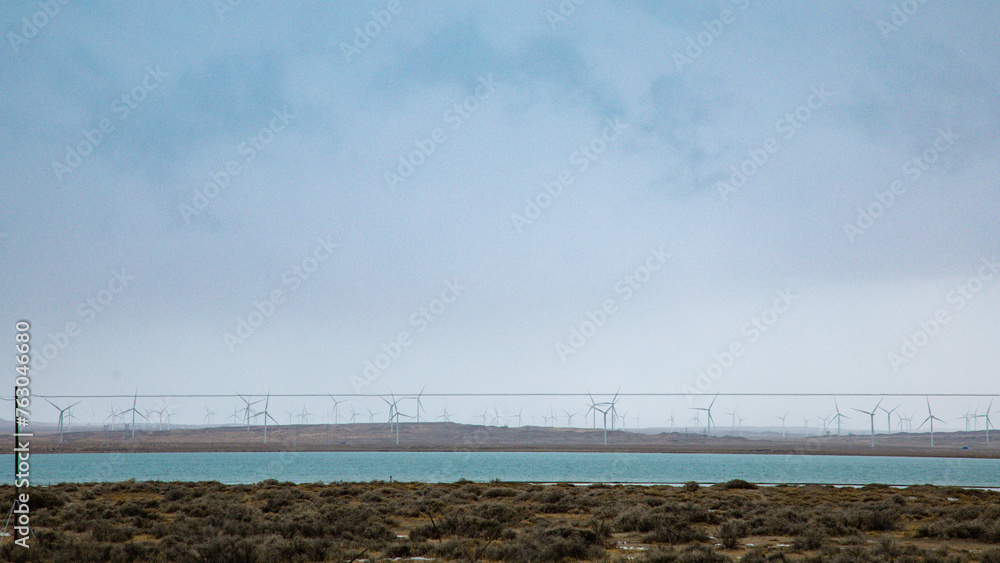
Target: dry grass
x,y
465,521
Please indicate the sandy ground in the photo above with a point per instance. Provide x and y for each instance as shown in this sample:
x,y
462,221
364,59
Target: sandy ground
x,y
463,437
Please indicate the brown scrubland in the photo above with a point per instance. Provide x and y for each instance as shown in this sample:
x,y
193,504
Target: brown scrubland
x,y
496,521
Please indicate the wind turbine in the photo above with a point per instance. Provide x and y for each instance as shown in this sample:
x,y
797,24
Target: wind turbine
x,y
872,415
733,414
782,419
444,415
988,422
304,415
888,418
267,415
518,415
336,409
966,418
614,410
395,414
208,416
70,417
420,406
592,407
247,408
741,424
838,416
354,415
486,412
569,417
134,411
931,418
709,420
371,415
805,422
61,413
605,413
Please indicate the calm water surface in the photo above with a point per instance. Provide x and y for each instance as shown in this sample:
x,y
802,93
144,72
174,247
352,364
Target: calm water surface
x,y
308,467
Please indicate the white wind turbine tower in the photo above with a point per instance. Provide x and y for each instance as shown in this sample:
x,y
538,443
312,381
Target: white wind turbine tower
x,y
609,407
604,412
420,405
988,422
208,416
336,409
709,420
70,417
354,415
733,415
486,413
133,411
966,418
267,414
62,412
740,419
782,419
614,410
592,407
888,417
838,416
696,419
304,415
247,409
395,414
872,415
445,416
931,418
371,415
569,417
805,422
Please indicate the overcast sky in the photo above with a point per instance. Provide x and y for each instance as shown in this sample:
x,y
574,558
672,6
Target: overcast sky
x,y
779,196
